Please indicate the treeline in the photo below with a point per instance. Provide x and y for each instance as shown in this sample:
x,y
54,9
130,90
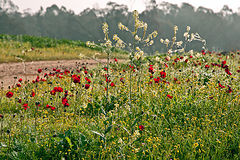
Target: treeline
x,y
221,30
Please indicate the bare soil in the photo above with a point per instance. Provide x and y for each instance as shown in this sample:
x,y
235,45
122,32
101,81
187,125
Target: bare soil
x,y
11,72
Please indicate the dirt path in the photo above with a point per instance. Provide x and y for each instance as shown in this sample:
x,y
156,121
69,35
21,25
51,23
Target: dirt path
x,y
11,72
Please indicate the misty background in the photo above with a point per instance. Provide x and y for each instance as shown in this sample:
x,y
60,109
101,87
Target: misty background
x,y
220,29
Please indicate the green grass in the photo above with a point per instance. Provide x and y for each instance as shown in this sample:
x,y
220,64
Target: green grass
x,y
29,48
200,121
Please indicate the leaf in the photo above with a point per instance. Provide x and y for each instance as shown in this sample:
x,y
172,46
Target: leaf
x,y
69,142
103,136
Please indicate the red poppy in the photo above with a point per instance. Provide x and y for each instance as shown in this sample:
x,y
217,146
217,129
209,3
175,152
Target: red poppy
x,y
87,86
88,80
76,79
19,85
64,100
207,66
19,101
221,85
186,60
163,74
86,72
1,116
53,92
66,105
25,106
33,94
20,80
150,69
190,56
39,70
115,59
48,106
169,96
112,84
141,127
122,80
224,62
229,90
53,108
228,71
9,94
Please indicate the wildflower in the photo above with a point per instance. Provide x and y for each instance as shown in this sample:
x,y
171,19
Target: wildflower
x,y
169,96
112,84
76,79
163,74
18,85
20,80
53,92
25,106
195,145
39,70
87,86
9,94
207,66
53,108
33,94
141,127
48,106
229,90
221,85
115,59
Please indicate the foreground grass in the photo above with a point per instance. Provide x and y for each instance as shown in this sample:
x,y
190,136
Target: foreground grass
x,y
192,112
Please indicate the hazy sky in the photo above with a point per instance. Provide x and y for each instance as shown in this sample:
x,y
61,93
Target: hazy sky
x,y
79,5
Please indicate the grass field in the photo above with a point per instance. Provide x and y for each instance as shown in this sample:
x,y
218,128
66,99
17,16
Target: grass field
x,y
178,107
30,48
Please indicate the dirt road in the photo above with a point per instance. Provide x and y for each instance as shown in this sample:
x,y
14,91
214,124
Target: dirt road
x,y
11,72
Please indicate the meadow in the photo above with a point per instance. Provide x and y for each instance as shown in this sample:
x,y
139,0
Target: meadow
x,y
168,106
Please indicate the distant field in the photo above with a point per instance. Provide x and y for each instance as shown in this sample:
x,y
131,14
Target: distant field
x,y
29,48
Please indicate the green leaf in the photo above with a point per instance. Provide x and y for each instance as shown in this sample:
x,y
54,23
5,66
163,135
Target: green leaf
x,y
69,142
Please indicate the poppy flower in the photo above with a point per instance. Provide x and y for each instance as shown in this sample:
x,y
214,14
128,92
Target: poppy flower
x,y
169,96
115,59
20,80
76,80
229,90
122,80
18,85
48,106
228,72
25,106
33,94
224,62
53,92
53,108
86,72
221,85
64,100
141,127
19,101
87,86
1,116
163,74
9,94
207,66
112,84
39,70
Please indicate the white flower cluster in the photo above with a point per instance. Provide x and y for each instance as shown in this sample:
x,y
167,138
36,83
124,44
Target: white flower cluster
x,y
138,54
120,43
122,27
